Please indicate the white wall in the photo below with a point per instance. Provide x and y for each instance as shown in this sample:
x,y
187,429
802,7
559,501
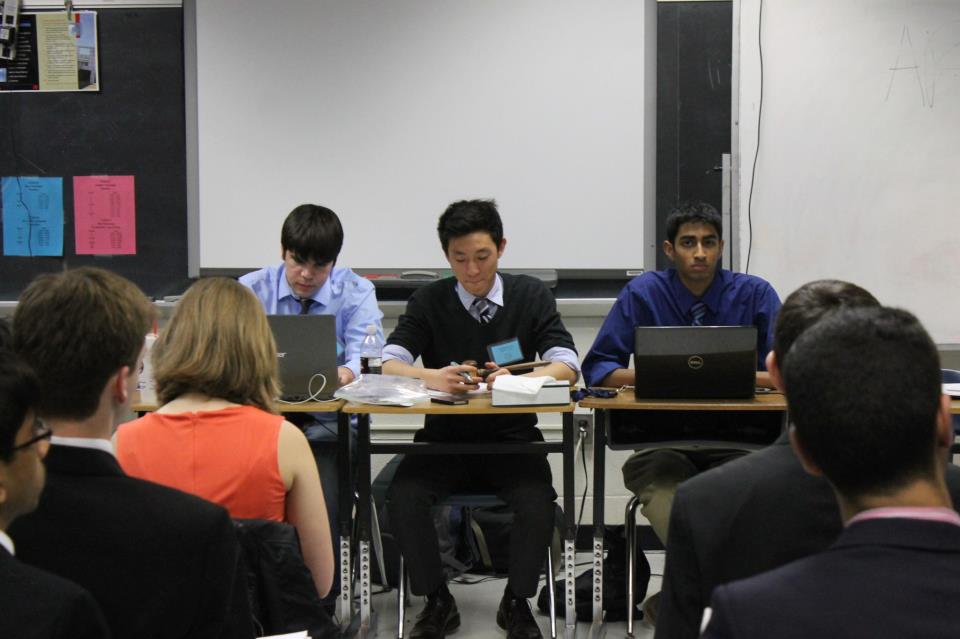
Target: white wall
x,y
859,149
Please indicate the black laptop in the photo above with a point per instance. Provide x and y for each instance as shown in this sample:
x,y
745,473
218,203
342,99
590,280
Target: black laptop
x,y
695,362
306,355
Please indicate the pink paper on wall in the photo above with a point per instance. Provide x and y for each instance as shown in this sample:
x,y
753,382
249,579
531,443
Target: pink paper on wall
x,y
104,214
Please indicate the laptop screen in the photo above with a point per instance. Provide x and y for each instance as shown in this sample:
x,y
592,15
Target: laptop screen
x,y
306,355
695,362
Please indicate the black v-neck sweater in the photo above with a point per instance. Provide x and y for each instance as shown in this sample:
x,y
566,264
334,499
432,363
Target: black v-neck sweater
x,y
437,328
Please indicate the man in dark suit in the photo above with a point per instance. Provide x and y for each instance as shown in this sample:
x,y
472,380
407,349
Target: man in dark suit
x,y
161,563
34,604
763,510
867,412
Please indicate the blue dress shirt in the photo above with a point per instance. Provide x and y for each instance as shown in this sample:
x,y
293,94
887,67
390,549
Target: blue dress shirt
x,y
345,294
659,298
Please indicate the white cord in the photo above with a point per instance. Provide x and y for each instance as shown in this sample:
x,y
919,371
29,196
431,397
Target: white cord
x,y
313,395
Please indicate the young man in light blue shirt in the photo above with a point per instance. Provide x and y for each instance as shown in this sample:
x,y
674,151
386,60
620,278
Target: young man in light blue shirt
x,y
308,281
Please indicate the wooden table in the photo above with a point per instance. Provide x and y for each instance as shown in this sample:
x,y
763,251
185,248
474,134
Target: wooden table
x,y
625,401
365,448
139,406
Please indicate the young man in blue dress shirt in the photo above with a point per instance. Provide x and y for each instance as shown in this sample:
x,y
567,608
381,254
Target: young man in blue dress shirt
x,y
694,292
308,281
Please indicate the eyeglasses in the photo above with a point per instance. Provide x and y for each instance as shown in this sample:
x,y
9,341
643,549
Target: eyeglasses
x,y
581,393
41,432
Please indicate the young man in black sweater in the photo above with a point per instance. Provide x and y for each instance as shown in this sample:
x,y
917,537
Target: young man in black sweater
x,y
454,320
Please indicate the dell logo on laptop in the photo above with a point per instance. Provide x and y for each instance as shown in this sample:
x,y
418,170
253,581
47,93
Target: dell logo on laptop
x,y
695,362
279,355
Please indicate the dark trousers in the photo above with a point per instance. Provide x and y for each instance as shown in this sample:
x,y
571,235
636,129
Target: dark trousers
x,y
524,482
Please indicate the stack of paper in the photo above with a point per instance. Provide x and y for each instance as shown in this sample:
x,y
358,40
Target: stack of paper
x,y
509,390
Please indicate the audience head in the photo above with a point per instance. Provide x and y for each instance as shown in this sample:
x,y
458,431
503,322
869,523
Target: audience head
x,y
218,344
81,330
310,242
471,235
695,213
807,305
863,385
24,440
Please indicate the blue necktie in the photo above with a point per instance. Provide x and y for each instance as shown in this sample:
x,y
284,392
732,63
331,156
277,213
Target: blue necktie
x,y
699,312
481,308
305,304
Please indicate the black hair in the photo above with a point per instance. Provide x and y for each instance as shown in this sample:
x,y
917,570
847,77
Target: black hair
x,y
19,391
690,211
470,216
810,303
863,385
313,233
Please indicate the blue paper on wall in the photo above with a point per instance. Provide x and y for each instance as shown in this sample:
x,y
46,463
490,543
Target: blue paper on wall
x,y
32,215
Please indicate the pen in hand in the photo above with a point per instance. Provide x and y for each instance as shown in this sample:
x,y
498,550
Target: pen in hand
x,y
465,375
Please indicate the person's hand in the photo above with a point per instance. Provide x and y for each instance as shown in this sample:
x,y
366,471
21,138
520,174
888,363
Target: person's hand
x,y
451,379
344,376
495,371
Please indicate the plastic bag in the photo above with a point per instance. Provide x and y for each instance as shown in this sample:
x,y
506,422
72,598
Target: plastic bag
x,y
386,390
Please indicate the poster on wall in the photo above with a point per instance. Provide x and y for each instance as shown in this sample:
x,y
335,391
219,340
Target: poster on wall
x,y
54,51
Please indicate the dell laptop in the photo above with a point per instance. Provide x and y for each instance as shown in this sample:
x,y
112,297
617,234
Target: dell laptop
x,y
306,356
695,362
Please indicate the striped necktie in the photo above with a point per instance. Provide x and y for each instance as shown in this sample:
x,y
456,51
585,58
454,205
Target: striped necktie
x,y
698,311
481,310
305,304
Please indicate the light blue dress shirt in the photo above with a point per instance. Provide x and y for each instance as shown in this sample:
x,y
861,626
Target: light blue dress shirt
x,y
345,294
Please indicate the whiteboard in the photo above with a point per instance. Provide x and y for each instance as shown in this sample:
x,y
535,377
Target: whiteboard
x,y
858,174
388,110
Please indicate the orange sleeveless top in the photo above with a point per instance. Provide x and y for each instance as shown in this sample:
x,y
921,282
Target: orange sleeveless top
x,y
226,456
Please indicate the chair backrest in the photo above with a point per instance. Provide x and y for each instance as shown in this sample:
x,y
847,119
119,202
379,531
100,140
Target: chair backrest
x,y
283,597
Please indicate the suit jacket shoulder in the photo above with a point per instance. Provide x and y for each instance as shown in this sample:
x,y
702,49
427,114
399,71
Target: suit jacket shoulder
x,y
882,579
35,603
130,541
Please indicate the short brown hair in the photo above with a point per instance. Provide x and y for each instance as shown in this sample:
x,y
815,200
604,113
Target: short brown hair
x,y
218,343
77,329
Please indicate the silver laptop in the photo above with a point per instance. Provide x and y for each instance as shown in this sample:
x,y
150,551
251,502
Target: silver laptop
x,y
695,362
306,355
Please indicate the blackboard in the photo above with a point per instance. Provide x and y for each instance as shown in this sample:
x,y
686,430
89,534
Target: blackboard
x,y
133,126
693,105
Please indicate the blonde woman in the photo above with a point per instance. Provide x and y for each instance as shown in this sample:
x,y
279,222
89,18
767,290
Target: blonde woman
x,y
216,434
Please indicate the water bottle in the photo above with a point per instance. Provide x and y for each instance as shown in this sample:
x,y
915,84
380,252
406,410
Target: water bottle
x,y
371,353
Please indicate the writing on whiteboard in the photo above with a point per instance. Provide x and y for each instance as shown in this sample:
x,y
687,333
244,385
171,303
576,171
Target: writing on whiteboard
x,y
938,61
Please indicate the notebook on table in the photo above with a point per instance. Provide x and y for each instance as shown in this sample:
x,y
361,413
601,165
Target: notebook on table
x,y
306,356
695,362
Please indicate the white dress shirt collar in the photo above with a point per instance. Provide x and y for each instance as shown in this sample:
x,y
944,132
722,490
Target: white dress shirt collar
x,y
84,442
495,295
6,542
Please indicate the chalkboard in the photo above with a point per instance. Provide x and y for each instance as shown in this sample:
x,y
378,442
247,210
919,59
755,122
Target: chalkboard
x,y
858,165
693,105
133,126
